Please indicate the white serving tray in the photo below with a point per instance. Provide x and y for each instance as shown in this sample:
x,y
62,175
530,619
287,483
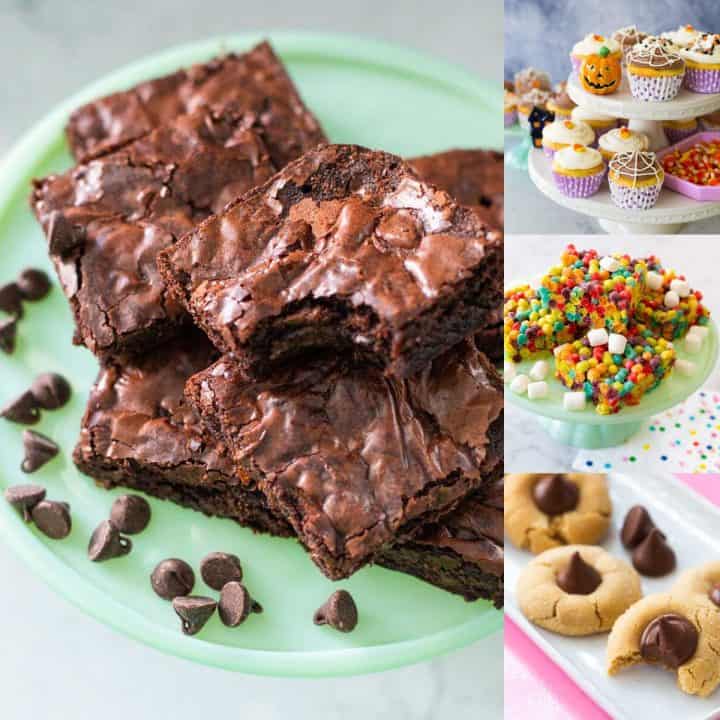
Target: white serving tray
x,y
692,525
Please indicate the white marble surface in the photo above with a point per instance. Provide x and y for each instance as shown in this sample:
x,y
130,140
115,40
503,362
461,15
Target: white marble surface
x,y
527,447
56,662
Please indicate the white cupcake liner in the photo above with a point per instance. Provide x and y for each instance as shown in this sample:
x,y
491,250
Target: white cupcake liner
x,y
634,198
660,88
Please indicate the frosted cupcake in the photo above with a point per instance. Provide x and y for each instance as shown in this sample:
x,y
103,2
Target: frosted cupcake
x,y
590,45
635,180
627,38
677,130
561,133
621,140
702,59
599,123
534,98
530,78
655,72
561,104
578,171
510,108
711,121
683,37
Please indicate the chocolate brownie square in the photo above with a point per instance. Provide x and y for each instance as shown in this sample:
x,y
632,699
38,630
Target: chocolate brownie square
x,y
355,460
106,220
139,432
255,82
344,249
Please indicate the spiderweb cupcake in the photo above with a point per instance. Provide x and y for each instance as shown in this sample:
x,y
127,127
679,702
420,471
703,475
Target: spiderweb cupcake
x,y
578,171
635,180
655,72
703,64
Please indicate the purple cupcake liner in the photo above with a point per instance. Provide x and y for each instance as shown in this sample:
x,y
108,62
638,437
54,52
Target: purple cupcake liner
x,y
549,152
578,187
702,81
576,63
655,89
510,118
638,198
676,135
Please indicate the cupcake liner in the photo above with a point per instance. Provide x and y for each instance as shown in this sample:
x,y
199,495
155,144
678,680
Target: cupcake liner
x,y
676,135
510,117
549,152
708,124
637,198
578,187
655,89
702,81
576,63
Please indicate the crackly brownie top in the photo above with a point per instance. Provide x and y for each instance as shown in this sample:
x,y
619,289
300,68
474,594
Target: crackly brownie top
x,y
350,455
137,411
472,177
255,82
116,212
340,224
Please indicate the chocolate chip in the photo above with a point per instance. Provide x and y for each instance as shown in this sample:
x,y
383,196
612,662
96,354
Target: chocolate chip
x,y
637,527
25,498
578,577
130,514
714,594
50,390
670,640
52,518
555,495
8,333
219,568
172,578
11,299
194,612
653,557
33,284
339,611
39,449
236,604
107,543
23,409
62,236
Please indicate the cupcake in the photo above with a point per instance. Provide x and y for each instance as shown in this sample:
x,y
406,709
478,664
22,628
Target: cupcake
x,y
531,99
702,59
599,123
561,133
683,37
578,171
627,38
510,108
561,104
677,130
711,121
655,72
621,140
635,180
531,78
590,45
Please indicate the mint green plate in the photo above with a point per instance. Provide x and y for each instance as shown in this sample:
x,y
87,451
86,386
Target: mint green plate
x,y
363,92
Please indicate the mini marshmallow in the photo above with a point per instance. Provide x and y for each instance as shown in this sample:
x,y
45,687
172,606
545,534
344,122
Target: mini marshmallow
x,y
609,263
509,372
681,287
672,299
557,350
693,344
574,401
520,384
539,370
598,336
685,367
654,280
537,390
701,331
616,343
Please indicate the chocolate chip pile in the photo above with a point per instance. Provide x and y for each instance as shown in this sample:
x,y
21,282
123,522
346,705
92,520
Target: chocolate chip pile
x,y
29,286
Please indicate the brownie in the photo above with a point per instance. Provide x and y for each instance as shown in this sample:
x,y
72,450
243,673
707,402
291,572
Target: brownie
x,y
107,219
355,460
343,249
254,82
139,432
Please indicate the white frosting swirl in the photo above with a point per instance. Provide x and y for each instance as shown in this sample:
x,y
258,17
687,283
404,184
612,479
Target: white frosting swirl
x,y
584,113
684,36
705,50
577,158
592,43
568,132
623,140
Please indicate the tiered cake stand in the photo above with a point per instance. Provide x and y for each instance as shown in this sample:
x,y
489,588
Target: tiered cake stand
x,y
672,210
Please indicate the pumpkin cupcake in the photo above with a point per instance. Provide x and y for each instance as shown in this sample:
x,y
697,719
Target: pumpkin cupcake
x,y
702,59
677,130
627,38
560,103
578,171
601,73
526,103
683,37
598,122
590,45
530,78
635,180
510,108
621,140
656,73
561,133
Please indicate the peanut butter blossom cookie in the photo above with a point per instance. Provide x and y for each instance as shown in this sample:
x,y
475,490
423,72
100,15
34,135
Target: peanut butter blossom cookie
x,y
703,583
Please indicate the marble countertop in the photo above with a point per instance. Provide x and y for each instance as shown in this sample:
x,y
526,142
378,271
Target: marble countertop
x,y
527,447
56,660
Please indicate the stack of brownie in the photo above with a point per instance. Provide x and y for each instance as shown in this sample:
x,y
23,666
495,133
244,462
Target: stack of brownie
x,y
288,330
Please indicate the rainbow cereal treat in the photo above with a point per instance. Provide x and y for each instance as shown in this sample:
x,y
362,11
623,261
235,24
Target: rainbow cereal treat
x,y
614,380
668,306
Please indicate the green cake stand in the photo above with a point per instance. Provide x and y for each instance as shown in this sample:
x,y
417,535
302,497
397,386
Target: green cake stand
x,y
587,428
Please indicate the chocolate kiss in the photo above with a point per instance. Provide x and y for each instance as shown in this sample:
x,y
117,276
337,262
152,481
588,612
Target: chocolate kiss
x,y
670,640
637,527
578,578
653,557
555,495
714,594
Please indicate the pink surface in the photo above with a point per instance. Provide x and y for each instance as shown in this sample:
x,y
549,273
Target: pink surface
x,y
537,688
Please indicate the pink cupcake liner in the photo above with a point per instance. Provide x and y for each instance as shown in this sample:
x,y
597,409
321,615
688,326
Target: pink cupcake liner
x,y
655,89
676,135
702,81
639,198
510,117
578,187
